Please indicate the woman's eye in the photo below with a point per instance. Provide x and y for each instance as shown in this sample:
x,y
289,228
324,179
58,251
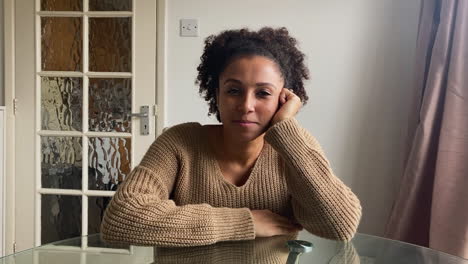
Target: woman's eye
x,y
233,91
263,94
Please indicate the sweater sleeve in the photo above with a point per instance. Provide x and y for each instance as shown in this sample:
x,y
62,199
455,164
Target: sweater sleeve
x,y
141,212
321,202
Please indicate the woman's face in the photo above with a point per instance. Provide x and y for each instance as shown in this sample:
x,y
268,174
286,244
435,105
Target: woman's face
x,y
248,94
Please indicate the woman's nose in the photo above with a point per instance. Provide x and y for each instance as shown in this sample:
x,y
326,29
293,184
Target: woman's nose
x,y
247,103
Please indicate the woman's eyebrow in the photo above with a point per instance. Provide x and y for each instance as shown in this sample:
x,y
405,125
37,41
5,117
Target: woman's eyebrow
x,y
232,80
258,84
266,84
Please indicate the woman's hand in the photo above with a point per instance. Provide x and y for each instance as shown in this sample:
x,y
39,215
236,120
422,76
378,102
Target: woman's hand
x,y
267,224
289,105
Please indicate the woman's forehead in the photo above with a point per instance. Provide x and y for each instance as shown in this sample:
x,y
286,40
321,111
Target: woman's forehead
x,y
253,68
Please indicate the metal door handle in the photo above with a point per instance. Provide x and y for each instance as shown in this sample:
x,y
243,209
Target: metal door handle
x,y
144,119
139,114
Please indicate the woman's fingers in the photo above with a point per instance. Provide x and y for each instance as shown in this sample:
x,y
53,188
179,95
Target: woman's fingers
x,y
282,96
280,219
289,105
267,223
289,94
285,230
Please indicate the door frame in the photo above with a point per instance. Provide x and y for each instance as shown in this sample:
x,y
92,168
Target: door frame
x,y
9,87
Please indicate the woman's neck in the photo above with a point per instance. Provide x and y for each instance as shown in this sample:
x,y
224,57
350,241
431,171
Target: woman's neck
x,y
231,149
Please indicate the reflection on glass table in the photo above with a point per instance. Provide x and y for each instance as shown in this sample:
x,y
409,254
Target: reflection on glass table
x,y
362,249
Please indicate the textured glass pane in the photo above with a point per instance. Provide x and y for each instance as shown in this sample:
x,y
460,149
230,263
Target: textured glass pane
x,y
60,217
110,46
61,162
110,105
62,5
61,39
109,162
61,103
110,5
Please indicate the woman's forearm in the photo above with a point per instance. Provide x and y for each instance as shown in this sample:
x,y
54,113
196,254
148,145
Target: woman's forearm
x,y
321,202
139,215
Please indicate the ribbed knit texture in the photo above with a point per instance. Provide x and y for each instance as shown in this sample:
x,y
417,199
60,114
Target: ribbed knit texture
x,y
177,195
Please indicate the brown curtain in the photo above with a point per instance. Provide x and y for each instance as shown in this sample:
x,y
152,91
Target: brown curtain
x,y
431,208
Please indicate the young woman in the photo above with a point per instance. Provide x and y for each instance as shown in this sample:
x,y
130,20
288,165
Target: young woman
x,y
257,174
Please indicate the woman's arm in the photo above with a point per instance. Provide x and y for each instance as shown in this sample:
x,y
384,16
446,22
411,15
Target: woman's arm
x,y
321,202
141,212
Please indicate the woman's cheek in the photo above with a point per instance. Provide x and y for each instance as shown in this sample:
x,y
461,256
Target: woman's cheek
x,y
271,110
275,105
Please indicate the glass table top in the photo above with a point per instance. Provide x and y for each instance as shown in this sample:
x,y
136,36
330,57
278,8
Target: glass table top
x,y
305,248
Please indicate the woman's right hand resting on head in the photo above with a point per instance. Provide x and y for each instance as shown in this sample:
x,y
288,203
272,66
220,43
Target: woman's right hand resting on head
x,y
267,224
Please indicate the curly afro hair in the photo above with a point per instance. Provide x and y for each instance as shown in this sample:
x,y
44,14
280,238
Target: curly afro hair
x,y
275,44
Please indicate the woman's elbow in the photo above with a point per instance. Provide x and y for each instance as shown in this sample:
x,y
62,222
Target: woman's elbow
x,y
341,227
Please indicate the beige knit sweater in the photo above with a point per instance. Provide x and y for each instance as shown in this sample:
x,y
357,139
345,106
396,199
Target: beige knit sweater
x,y
177,195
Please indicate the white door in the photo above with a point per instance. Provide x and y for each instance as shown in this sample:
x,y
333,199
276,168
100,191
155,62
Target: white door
x,y
81,68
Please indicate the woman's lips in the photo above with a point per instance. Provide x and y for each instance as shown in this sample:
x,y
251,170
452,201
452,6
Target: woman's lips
x,y
244,123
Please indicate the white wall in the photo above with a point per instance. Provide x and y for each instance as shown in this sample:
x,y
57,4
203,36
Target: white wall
x,y
360,55
2,84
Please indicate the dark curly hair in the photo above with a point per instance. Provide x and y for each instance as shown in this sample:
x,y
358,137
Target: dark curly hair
x,y
275,44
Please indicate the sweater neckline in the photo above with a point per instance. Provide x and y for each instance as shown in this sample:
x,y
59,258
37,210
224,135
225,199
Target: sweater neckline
x,y
219,174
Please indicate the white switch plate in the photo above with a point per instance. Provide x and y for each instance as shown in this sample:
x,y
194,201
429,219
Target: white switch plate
x,y
189,27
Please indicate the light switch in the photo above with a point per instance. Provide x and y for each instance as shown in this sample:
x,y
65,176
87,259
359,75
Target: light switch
x,y
189,27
